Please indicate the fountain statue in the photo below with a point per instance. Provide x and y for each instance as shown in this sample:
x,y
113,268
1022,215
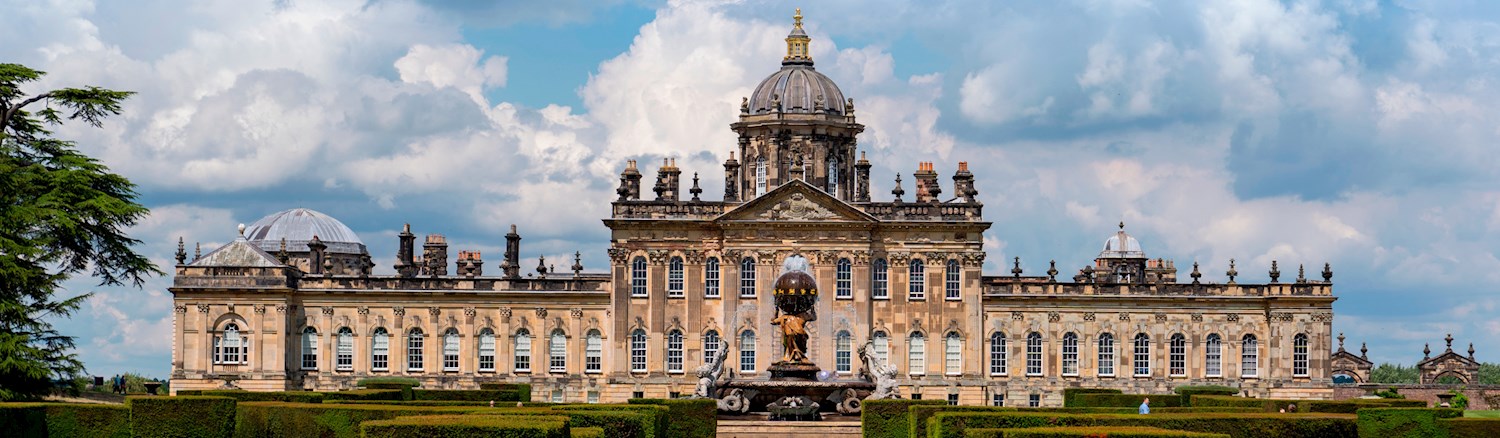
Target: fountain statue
x,y
796,295
880,372
709,375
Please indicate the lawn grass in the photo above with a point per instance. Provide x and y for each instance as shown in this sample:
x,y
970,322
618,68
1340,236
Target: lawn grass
x,y
1482,414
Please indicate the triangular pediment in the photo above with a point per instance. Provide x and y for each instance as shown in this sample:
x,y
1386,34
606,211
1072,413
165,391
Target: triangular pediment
x,y
239,253
1351,357
795,201
1448,356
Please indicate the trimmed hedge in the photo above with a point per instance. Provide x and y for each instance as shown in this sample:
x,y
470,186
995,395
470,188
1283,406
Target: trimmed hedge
x,y
189,392
921,413
1070,393
1471,427
463,426
388,382
64,420
523,390
1320,406
1126,400
889,418
1237,425
292,420
687,417
644,421
1089,432
1404,422
365,394
587,432
286,396
483,395
186,416
1188,391
418,403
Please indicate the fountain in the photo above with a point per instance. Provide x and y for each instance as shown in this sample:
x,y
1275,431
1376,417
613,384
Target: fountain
x,y
796,389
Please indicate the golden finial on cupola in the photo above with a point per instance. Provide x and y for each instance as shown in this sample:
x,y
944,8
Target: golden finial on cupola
x,y
797,43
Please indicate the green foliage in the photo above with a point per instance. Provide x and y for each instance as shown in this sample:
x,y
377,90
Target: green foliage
x,y
1188,391
466,395
64,420
688,418
387,382
365,394
642,421
1321,406
1237,425
1089,432
1404,422
587,432
61,213
889,418
464,426
1394,373
197,416
1449,380
1126,400
1471,427
296,420
286,396
418,403
523,390
1389,393
1459,401
1489,374
920,413
1070,393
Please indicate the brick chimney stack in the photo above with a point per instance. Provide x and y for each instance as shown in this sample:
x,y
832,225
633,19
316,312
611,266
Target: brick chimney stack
x,y
731,179
630,182
670,178
405,265
511,266
862,179
435,255
926,180
470,264
963,183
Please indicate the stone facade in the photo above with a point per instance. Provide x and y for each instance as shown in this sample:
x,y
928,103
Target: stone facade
x,y
904,275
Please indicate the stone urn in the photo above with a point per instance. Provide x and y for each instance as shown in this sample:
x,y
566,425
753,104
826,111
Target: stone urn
x,y
151,387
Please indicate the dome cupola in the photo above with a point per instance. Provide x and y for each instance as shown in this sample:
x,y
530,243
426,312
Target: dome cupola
x,y
298,226
797,87
1122,246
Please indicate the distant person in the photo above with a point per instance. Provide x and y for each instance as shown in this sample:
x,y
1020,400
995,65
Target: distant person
x,y
1146,406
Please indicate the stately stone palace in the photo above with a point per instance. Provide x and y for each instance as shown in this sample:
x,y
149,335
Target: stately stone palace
x,y
294,302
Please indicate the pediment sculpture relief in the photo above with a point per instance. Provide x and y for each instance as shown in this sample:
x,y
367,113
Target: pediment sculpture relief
x,y
797,207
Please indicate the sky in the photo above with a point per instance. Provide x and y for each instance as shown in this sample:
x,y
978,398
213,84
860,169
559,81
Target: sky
x,y
1351,132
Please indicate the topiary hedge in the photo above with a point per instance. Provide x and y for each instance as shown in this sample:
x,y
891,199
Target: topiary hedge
x,y
1069,393
523,390
1186,392
483,395
189,392
646,421
687,417
1471,427
295,420
184,416
1238,425
1404,422
1321,406
64,420
587,432
919,414
1125,400
889,418
464,426
388,382
1089,432
365,394
286,396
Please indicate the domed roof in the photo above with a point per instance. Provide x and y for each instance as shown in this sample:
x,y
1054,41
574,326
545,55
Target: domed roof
x,y
798,88
1122,246
298,226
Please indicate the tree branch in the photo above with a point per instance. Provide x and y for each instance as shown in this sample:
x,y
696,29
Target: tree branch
x,y
5,119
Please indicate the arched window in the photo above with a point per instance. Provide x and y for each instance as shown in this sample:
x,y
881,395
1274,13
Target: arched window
x,y
951,281
486,350
309,348
916,354
557,352
1034,354
414,350
1070,354
879,284
593,352
953,354
1212,356
1249,357
450,350
674,351
638,277
380,350
1177,363
638,351
916,281
833,176
674,277
344,350
842,361
882,346
711,278
999,360
747,351
1299,355
523,351
1106,355
229,347
760,176
1142,363
711,346
844,280
747,277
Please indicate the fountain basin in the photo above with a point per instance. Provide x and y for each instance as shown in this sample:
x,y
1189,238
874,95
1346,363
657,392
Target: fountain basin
x,y
764,392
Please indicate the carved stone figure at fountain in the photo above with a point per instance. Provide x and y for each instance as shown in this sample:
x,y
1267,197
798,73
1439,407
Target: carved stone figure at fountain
x,y
796,298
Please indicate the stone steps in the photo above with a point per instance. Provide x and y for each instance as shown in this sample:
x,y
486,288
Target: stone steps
x,y
785,429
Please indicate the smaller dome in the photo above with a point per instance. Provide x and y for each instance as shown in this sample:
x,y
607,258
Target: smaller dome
x,y
796,283
298,226
1122,246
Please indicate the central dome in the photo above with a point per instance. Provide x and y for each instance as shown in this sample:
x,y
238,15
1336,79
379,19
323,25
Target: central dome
x,y
797,87
298,226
